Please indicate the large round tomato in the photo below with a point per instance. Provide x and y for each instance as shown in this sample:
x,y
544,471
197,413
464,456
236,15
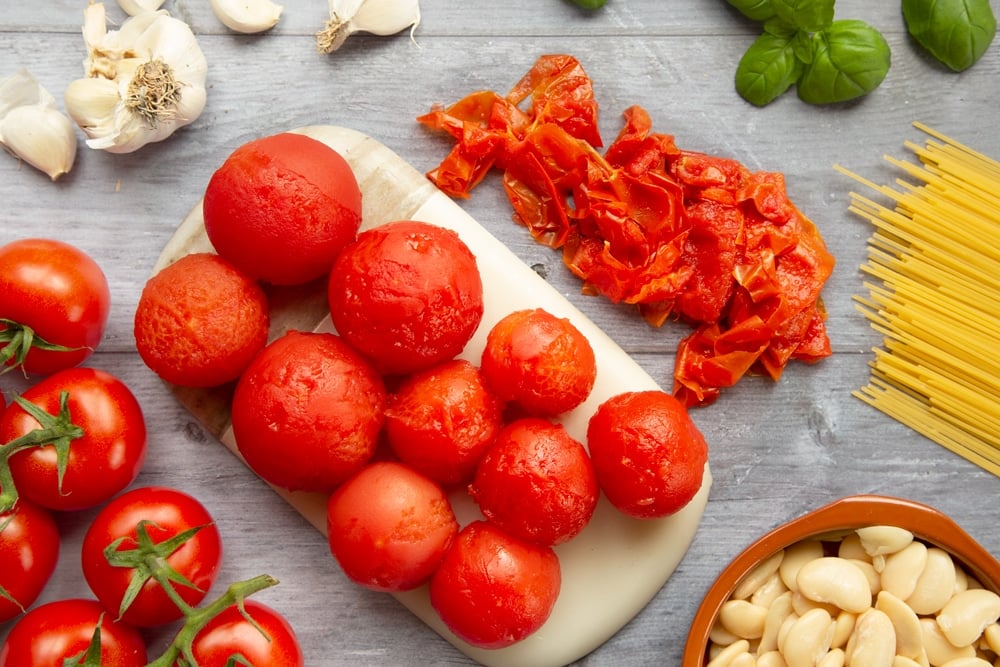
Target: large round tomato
x,y
29,550
269,643
164,513
281,207
55,292
101,463
50,634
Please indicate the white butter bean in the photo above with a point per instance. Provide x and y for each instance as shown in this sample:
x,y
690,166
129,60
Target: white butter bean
x,y
758,576
796,556
967,662
744,660
873,643
769,591
964,618
835,658
743,618
992,637
939,650
883,540
726,655
835,581
909,638
903,569
936,585
843,628
719,635
771,659
874,578
801,604
777,613
900,661
851,548
808,639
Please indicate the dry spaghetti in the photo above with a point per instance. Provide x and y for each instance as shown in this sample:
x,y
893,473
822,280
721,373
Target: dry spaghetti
x,y
933,277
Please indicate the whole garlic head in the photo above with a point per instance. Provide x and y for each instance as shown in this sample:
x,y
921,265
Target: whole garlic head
x,y
142,82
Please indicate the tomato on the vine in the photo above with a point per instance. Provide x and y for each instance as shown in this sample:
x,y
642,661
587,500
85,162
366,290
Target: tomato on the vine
x,y
160,514
54,304
100,463
269,641
29,551
52,633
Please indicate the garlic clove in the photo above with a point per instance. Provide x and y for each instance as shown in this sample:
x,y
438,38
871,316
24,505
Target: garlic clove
x,y
379,17
136,7
247,16
91,103
41,136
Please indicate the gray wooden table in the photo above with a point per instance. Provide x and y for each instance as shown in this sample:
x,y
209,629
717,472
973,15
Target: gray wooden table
x,y
777,449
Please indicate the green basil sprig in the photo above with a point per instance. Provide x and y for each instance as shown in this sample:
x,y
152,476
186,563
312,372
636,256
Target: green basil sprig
x,y
956,32
829,61
589,4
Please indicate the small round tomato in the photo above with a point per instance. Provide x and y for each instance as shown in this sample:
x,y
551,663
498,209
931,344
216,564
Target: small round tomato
x,y
102,462
539,362
388,527
407,295
493,590
163,513
54,633
281,207
648,454
307,412
200,321
441,421
269,641
51,291
29,551
536,482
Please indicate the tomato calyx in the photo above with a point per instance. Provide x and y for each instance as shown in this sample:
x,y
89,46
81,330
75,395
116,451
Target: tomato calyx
x,y
18,340
55,430
91,657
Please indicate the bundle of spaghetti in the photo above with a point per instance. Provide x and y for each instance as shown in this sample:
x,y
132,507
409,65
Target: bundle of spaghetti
x,y
933,277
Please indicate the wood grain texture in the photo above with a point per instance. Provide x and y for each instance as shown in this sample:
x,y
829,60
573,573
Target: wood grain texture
x,y
777,449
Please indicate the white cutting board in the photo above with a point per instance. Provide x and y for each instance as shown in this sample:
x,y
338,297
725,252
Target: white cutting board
x,y
617,564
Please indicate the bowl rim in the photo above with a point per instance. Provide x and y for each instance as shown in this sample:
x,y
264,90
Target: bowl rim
x,y
927,523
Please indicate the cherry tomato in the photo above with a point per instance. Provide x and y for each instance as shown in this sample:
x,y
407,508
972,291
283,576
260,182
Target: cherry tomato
x,y
407,295
29,551
441,421
200,321
536,482
105,460
648,454
539,362
50,634
269,643
57,291
281,207
307,412
493,590
388,526
166,513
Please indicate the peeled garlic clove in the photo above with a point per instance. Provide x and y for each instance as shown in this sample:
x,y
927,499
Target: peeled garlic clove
x,y
247,16
32,129
378,17
136,7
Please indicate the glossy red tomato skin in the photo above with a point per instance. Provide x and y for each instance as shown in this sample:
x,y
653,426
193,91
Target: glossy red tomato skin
x,y
29,552
105,460
172,511
536,482
55,631
307,412
493,590
539,362
281,207
388,527
442,420
407,295
230,633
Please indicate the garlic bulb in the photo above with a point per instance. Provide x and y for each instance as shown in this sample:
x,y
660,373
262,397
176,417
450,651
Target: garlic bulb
x,y
142,81
32,129
135,7
379,17
247,16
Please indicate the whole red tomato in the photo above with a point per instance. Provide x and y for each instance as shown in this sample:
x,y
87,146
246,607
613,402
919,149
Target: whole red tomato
x,y
29,550
50,634
164,513
105,460
59,294
269,643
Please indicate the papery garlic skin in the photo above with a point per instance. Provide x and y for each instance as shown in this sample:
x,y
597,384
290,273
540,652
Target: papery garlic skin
x,y
247,16
143,81
136,7
379,17
33,129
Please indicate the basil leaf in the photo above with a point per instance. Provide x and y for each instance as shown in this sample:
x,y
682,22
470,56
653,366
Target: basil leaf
x,y
767,69
956,32
850,59
808,15
756,10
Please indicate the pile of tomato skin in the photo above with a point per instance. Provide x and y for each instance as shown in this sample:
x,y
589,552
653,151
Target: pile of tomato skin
x,y
677,233
55,296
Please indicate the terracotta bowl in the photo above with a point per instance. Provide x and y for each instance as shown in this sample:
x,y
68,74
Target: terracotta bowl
x,y
926,523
